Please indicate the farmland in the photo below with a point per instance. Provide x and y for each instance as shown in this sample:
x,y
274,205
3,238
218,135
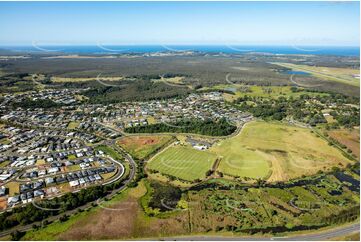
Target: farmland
x,y
183,162
290,151
141,147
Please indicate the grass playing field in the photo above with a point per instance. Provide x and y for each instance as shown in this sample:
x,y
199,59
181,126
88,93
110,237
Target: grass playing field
x,y
272,151
290,151
140,147
184,162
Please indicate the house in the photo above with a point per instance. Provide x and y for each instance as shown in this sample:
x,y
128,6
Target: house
x,y
39,193
4,177
49,180
74,183
50,159
81,181
53,170
14,200
2,191
68,163
200,147
41,172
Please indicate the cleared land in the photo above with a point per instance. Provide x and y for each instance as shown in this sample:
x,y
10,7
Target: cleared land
x,y
183,162
122,218
350,138
140,147
290,151
343,75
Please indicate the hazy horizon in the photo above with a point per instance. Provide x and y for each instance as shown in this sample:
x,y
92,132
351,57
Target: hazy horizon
x,y
180,23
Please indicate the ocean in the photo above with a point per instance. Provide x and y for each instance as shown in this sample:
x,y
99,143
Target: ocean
x,y
228,49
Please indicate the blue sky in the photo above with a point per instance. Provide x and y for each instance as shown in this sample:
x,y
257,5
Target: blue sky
x,y
263,23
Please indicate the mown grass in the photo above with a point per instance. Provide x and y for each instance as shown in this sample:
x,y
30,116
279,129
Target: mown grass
x,y
183,162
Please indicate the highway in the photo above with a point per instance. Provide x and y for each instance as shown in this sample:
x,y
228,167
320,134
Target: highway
x,y
312,236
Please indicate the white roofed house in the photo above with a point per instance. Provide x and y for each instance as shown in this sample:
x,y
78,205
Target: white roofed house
x,y
53,170
2,191
74,183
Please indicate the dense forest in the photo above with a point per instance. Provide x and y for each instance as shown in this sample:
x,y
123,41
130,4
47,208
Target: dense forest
x,y
164,197
140,90
39,103
207,127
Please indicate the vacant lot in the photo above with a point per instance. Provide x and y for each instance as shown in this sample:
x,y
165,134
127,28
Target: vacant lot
x,y
13,187
184,162
287,150
140,147
73,125
350,138
119,218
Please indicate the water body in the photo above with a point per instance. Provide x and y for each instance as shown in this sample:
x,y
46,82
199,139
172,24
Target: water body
x,y
352,183
228,49
297,73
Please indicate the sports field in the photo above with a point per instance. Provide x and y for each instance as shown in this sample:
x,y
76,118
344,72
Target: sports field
x,y
286,151
184,162
140,147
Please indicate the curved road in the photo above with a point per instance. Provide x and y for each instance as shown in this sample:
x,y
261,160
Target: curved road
x,y
316,236
83,207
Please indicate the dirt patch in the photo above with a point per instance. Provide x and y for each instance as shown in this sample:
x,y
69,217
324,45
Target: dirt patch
x,y
3,203
139,140
278,171
105,224
141,147
128,222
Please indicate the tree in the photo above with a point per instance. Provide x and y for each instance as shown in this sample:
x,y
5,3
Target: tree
x,y
16,235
